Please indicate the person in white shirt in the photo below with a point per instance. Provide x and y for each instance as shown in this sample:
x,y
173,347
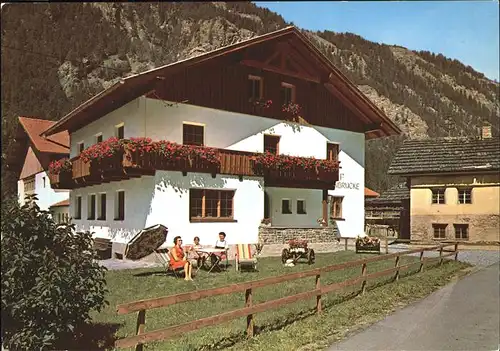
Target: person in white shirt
x,y
221,243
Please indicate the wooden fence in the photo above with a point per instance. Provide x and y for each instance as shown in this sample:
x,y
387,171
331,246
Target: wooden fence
x,y
251,309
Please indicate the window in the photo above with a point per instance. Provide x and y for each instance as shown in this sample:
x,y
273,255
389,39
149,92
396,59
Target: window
x,y
120,131
192,134
285,206
461,231
255,88
439,230
465,196
102,207
211,205
98,138
29,184
271,144
336,206
78,207
43,178
287,93
91,207
332,151
81,147
120,205
301,206
437,196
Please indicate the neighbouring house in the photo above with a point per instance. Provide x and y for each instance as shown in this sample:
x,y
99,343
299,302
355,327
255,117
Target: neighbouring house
x,y
60,211
370,194
454,187
245,139
389,213
31,155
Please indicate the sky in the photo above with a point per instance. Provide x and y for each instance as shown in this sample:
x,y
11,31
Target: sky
x,y
464,30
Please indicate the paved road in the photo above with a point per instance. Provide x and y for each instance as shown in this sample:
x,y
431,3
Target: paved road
x,y
464,315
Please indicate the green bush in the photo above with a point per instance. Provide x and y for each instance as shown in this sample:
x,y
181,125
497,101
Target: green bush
x,y
50,280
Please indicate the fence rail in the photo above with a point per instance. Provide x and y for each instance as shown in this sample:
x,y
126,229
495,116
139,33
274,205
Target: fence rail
x,y
250,309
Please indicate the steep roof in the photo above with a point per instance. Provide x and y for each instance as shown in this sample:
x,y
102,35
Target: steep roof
x,y
134,86
446,155
371,193
393,195
57,143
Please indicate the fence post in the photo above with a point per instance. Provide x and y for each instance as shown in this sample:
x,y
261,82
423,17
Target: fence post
x,y
456,251
345,244
441,255
386,244
363,273
141,324
421,269
397,265
318,297
248,303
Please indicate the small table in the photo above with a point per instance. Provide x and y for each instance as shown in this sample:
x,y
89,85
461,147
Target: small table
x,y
211,252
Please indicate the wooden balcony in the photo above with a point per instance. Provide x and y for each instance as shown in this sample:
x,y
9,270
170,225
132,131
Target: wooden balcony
x,y
128,165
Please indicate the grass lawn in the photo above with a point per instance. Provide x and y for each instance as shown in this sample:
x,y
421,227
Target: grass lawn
x,y
291,327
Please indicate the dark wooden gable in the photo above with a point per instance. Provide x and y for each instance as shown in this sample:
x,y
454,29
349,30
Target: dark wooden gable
x,y
222,83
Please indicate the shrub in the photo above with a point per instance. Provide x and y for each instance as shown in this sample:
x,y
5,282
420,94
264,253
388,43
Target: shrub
x,y
50,280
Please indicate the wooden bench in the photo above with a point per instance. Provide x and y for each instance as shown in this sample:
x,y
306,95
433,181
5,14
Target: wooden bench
x,y
103,247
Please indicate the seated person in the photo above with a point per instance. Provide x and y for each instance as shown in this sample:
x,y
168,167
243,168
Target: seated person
x,y
178,258
197,244
221,243
198,256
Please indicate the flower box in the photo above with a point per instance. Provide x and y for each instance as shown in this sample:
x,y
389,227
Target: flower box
x,y
368,245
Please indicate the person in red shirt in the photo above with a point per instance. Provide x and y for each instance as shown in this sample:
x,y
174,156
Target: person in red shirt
x,y
178,258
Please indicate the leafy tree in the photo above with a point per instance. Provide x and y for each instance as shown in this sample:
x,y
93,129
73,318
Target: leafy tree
x,y
50,280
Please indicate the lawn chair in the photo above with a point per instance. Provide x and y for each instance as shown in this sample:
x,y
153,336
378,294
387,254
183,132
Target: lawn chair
x,y
163,257
245,257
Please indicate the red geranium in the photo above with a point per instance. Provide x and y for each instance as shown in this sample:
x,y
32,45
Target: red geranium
x,y
58,166
271,161
291,108
104,149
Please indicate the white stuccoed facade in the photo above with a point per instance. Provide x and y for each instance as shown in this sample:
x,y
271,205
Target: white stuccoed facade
x,y
164,198
44,192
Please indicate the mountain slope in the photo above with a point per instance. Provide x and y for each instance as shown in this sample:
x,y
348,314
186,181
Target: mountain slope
x,y
55,56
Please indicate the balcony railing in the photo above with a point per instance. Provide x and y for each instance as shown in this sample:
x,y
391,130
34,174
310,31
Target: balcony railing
x,y
125,165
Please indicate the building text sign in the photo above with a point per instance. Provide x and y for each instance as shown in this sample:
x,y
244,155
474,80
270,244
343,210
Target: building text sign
x,y
342,184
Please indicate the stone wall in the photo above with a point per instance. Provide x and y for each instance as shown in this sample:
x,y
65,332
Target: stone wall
x,y
280,235
482,228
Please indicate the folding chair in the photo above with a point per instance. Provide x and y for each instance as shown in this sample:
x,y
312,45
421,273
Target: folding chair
x,y
163,257
245,257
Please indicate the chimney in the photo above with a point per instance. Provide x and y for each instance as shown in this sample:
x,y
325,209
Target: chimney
x,y
486,132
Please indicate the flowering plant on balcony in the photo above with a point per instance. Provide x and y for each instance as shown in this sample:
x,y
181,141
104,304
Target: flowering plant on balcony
x,y
269,160
291,108
174,151
262,103
58,166
141,144
327,165
102,150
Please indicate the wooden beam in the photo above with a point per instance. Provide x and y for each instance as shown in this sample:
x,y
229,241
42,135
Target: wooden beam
x,y
257,64
272,57
373,127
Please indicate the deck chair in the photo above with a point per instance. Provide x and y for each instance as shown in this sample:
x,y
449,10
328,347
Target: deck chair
x,y
245,257
163,257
